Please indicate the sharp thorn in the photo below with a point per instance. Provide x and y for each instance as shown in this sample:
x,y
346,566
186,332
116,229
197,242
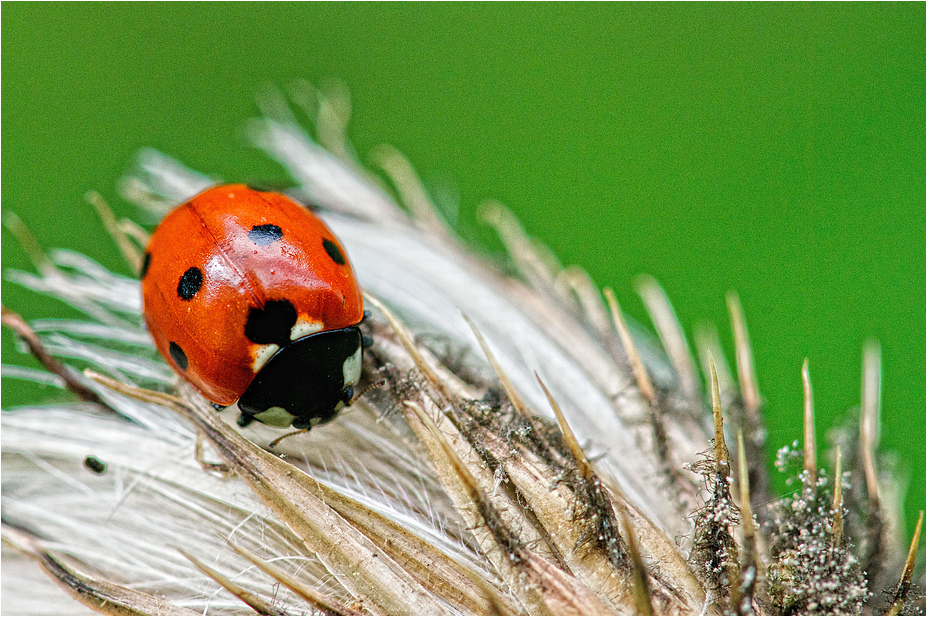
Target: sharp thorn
x,y
517,403
533,266
744,481
746,373
811,462
721,452
640,371
904,584
249,598
670,333
25,238
412,192
837,537
408,342
706,339
869,416
567,432
130,252
575,279
320,601
749,568
640,586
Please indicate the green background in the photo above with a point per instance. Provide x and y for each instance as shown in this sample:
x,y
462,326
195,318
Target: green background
x,y
773,149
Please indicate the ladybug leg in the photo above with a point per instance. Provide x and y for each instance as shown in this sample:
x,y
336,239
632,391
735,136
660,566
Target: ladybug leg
x,y
244,419
222,468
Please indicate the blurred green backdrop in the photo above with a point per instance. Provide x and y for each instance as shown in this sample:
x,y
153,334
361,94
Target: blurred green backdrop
x,y
773,149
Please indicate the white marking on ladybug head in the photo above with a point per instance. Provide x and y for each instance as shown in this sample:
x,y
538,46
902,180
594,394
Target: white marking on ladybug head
x,y
304,327
261,354
275,416
352,368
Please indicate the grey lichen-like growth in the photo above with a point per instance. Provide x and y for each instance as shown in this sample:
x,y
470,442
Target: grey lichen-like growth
x,y
813,570
809,573
531,451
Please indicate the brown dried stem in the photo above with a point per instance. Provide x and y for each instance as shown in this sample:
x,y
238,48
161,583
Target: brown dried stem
x,y
102,596
70,377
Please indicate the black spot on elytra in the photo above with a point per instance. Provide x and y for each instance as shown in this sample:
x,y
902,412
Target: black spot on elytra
x,y
333,251
190,283
178,355
262,235
272,323
146,263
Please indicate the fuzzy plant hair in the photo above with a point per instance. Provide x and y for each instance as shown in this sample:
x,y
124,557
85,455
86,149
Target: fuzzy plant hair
x,y
526,450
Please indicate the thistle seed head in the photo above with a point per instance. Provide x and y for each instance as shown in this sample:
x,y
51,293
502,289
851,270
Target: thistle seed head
x,y
531,452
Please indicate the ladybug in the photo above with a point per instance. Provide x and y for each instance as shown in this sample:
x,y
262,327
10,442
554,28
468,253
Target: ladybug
x,y
251,298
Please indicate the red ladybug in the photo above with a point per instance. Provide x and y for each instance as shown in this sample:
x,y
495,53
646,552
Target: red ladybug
x,y
251,298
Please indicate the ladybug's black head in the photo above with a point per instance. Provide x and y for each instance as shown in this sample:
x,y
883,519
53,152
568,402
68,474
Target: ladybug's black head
x,y
307,382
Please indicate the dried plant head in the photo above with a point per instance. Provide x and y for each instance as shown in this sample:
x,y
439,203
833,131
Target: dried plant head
x,y
529,452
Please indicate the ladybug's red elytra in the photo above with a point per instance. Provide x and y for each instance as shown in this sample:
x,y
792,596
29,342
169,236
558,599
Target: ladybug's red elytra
x,y
251,298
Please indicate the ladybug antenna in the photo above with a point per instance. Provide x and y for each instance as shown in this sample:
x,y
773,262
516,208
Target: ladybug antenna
x,y
376,384
274,443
